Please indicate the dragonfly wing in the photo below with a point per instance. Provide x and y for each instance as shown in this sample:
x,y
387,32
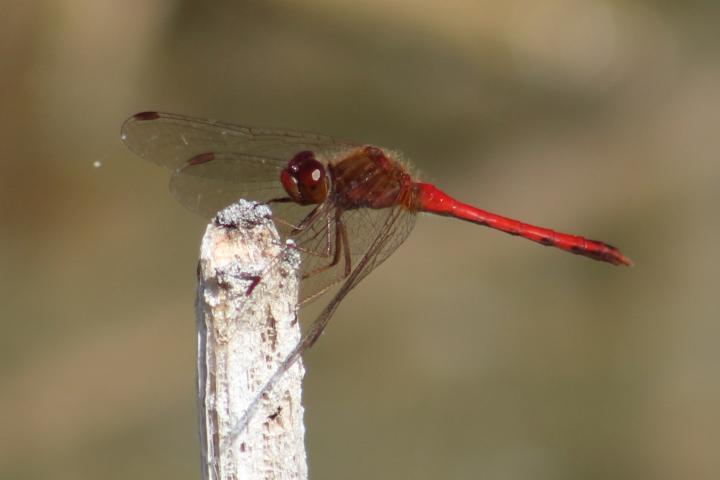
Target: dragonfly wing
x,y
396,224
217,163
395,227
171,140
223,178
363,226
391,225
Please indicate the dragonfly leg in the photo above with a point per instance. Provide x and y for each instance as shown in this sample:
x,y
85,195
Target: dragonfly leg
x,y
280,200
336,246
342,243
346,245
305,223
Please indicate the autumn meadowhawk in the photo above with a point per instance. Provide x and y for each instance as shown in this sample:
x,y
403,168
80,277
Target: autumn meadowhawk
x,y
347,206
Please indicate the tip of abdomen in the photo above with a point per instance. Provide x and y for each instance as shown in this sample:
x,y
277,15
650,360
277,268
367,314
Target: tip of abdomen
x,y
607,253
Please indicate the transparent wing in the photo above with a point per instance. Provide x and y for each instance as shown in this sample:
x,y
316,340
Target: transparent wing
x,y
171,140
217,163
392,228
363,227
396,224
208,187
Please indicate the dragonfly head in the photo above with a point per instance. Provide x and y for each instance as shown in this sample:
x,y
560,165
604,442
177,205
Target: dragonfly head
x,y
304,179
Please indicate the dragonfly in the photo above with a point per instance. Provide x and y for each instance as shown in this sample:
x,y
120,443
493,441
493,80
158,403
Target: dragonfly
x,y
347,206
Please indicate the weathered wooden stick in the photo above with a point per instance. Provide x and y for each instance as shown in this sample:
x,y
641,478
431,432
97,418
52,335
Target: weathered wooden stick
x,y
247,325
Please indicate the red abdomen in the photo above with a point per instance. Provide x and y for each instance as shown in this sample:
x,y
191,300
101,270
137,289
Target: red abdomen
x,y
428,198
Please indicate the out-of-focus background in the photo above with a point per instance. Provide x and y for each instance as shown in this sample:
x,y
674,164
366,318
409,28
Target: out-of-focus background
x,y
469,353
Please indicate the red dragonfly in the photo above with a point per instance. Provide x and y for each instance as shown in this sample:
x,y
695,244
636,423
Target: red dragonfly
x,y
347,206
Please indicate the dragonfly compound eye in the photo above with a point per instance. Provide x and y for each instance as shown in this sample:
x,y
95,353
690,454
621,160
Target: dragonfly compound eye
x,y
304,179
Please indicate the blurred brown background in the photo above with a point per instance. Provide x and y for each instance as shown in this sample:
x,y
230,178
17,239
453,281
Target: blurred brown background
x,y
469,354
